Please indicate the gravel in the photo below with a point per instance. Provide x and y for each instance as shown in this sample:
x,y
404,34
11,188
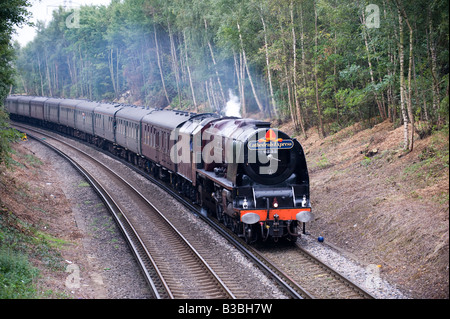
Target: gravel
x,y
367,276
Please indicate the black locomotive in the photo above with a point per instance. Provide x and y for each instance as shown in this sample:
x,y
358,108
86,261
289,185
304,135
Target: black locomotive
x,y
251,177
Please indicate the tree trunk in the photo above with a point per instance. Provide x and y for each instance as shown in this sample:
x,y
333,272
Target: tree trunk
x,y
242,88
294,51
410,110
377,100
117,71
303,64
402,88
237,70
261,109
224,101
433,57
410,140
189,71
40,75
48,74
160,66
174,63
319,111
288,85
111,71
269,75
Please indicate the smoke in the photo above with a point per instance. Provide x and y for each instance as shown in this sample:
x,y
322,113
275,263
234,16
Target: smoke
x,y
233,107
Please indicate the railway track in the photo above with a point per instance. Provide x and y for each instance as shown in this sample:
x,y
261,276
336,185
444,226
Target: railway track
x,y
171,265
319,279
305,275
309,279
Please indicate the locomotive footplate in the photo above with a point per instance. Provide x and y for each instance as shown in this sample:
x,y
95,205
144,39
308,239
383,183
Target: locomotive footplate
x,y
276,223
253,216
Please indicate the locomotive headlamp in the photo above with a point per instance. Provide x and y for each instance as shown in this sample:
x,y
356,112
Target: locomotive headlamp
x,y
245,203
275,203
304,201
304,216
250,218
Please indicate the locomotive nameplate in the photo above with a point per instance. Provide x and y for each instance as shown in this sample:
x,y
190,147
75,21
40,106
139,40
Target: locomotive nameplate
x,y
279,145
270,141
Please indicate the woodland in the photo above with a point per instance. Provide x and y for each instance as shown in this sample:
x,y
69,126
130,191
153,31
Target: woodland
x,y
321,63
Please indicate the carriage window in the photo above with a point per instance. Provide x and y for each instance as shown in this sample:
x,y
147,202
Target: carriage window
x,y
167,142
152,144
153,137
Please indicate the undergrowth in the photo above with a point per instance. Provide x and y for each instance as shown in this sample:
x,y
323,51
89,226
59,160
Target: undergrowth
x,y
23,247
433,160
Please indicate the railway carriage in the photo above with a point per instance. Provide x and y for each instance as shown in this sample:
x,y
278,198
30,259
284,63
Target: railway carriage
x,y
11,104
67,115
105,122
84,118
37,109
23,106
128,132
157,143
189,135
51,112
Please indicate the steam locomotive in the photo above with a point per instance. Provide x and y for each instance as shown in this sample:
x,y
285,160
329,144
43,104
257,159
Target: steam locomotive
x,y
249,176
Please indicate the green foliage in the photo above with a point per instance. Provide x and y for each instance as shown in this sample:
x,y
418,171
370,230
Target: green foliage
x,y
7,136
12,13
189,54
16,276
19,243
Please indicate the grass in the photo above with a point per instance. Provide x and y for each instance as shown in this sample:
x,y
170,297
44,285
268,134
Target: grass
x,y
433,159
323,162
20,243
430,166
25,160
16,276
84,184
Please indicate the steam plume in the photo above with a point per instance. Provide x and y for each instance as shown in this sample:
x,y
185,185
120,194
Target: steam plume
x,y
233,107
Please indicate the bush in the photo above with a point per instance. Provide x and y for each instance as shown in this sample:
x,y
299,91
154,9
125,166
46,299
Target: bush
x,y
7,136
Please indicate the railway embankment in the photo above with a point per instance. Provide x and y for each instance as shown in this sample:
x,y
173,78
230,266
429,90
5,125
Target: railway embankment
x,y
57,240
384,206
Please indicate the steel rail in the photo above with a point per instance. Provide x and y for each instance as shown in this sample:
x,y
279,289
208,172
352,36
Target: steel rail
x,y
132,238
347,282
226,290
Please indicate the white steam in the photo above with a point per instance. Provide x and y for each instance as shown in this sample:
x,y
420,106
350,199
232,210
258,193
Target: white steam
x,y
233,107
